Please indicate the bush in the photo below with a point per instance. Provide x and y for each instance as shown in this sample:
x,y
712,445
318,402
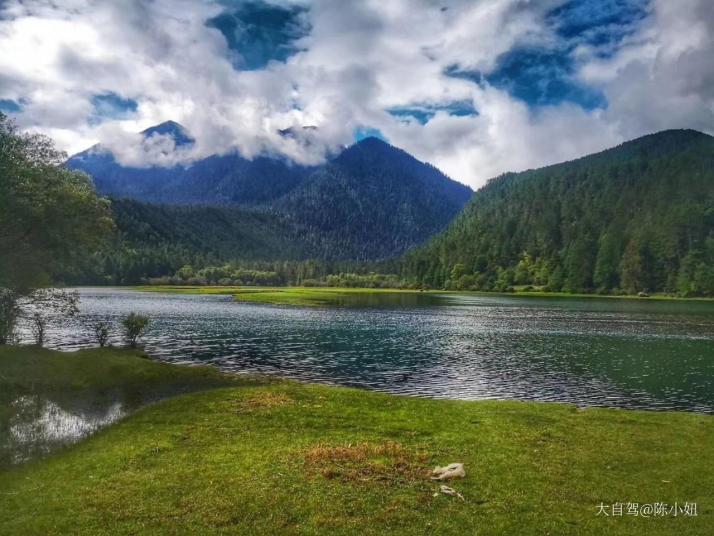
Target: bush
x,y
134,327
101,332
9,313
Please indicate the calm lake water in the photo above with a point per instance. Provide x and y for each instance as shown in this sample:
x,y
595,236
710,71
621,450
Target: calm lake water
x,y
592,352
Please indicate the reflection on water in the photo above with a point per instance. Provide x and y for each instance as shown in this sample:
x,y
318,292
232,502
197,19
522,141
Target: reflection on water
x,y
600,352
38,426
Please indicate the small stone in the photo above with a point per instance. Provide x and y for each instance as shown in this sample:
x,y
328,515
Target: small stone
x,y
446,490
453,470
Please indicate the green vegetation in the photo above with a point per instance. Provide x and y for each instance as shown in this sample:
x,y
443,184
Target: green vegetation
x,y
302,296
639,217
288,458
157,240
373,201
321,296
49,216
134,327
343,296
370,202
43,371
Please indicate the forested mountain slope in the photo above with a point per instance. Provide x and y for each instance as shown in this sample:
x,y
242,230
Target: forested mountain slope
x,y
372,201
156,240
638,217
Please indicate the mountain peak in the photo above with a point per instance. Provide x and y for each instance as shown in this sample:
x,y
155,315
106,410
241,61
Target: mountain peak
x,y
173,129
372,141
369,147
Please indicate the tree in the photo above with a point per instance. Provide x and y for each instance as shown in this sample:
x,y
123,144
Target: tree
x,y
134,327
9,313
101,332
49,216
457,271
44,303
524,270
631,268
606,263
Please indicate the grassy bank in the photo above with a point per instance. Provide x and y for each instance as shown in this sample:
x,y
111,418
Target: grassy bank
x,y
288,458
302,296
43,370
87,382
323,296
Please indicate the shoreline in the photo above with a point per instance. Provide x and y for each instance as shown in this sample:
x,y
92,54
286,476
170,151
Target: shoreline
x,y
295,295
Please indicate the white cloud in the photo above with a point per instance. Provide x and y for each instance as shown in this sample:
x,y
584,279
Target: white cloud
x,y
358,59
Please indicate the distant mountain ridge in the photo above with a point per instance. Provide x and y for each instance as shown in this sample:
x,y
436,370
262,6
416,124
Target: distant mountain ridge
x,y
371,201
635,218
216,180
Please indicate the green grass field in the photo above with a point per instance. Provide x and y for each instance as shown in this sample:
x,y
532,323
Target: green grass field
x,y
30,367
289,458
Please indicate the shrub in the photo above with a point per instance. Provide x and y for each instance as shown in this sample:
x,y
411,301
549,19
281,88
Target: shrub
x,y
134,327
101,332
9,313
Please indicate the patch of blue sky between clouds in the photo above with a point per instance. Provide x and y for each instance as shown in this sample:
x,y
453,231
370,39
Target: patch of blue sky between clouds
x,y
10,106
599,24
258,33
543,77
109,106
425,113
361,133
546,75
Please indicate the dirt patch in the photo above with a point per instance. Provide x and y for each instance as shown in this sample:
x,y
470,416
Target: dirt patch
x,y
386,462
264,401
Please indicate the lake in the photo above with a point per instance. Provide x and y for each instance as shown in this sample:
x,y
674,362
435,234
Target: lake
x,y
592,352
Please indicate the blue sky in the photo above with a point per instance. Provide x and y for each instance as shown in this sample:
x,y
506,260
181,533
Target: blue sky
x,y
258,33
474,87
110,106
545,73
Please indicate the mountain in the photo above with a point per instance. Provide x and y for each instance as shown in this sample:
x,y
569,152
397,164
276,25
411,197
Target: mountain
x,y
635,218
217,180
371,201
176,131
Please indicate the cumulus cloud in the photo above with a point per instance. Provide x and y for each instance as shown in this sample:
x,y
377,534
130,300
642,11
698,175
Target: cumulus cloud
x,y
236,74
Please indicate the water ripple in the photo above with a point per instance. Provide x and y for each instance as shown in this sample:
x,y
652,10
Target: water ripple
x,y
619,353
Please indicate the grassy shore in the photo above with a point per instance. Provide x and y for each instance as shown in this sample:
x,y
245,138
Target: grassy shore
x,y
288,458
324,296
302,296
43,370
80,382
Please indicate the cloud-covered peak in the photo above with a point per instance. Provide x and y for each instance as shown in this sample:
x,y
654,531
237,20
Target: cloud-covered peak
x,y
173,130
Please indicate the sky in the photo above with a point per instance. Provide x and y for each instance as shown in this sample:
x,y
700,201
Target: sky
x,y
476,88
